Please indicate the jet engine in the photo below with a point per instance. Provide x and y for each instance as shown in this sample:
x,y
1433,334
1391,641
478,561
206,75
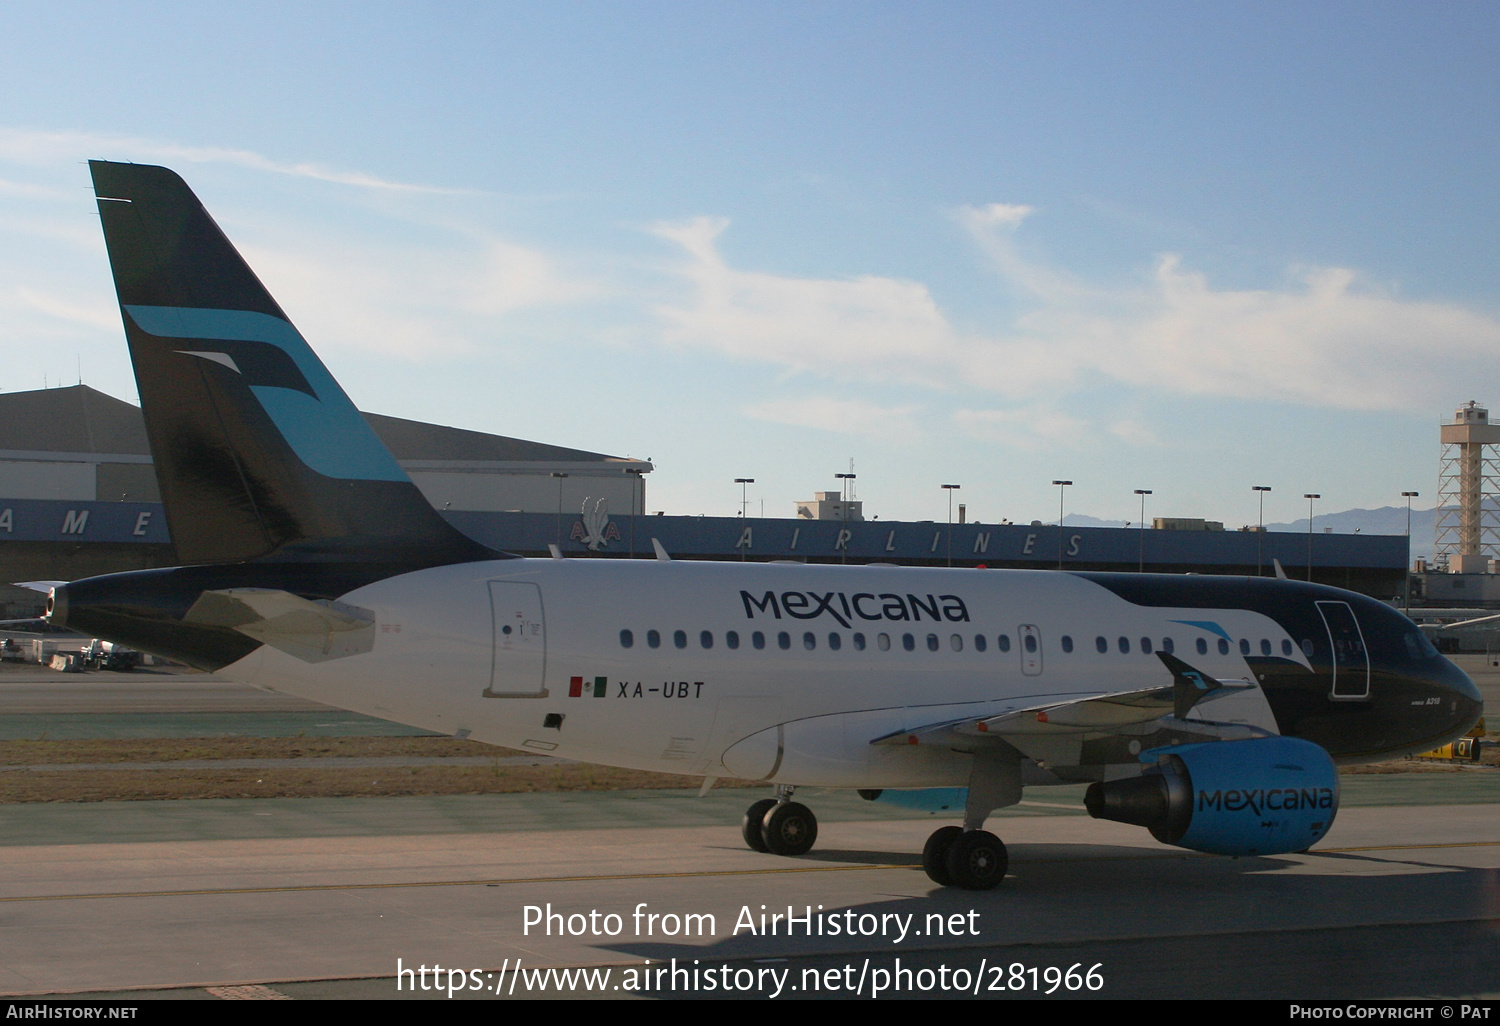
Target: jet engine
x,y
1262,796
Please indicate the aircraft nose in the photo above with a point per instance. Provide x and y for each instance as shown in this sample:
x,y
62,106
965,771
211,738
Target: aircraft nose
x,y
1464,702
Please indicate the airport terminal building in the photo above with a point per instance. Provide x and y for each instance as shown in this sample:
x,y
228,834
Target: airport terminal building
x,y
78,497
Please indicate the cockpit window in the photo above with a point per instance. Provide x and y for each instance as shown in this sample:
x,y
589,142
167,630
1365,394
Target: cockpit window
x,y
1417,645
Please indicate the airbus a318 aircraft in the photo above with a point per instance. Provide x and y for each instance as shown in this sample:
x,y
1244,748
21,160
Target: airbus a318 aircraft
x,y
1213,711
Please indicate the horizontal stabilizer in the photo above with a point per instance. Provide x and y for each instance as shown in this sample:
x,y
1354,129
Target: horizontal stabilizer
x,y
312,631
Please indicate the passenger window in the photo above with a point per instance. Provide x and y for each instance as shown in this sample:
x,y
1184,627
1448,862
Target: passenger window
x,y
1145,646
980,643
1203,646
1244,646
932,643
1286,646
956,642
1067,643
835,641
1124,646
626,639
859,642
653,638
1167,646
758,640
1031,642
783,641
1223,646
908,642
1003,642
732,639
1102,644
1307,647
1265,646
809,640
883,642
679,638
706,639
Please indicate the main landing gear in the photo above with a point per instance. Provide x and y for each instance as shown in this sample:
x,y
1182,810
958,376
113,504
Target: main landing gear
x,y
970,856
779,825
975,860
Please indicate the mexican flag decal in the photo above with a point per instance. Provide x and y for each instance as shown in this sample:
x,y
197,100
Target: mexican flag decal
x,y
576,687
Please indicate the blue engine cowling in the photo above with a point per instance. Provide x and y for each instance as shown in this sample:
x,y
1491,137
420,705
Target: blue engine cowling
x,y
1264,796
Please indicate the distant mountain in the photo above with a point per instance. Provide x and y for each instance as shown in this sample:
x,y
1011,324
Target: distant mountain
x,y
1385,520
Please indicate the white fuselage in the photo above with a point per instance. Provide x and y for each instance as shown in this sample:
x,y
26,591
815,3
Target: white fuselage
x,y
846,655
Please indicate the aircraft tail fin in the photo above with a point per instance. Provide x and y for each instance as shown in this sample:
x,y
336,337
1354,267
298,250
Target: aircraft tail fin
x,y
257,448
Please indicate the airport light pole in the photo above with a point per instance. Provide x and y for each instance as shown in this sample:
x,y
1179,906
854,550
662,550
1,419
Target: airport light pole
x,y
1061,490
744,505
636,491
844,490
559,507
950,489
1142,492
1260,524
1310,496
1406,601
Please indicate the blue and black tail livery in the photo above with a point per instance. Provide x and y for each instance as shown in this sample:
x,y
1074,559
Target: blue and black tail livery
x,y
258,451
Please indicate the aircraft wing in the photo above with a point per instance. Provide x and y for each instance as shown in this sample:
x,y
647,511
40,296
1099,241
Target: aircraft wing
x,y
1108,726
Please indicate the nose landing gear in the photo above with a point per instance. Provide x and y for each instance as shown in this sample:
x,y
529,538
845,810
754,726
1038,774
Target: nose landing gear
x,y
780,826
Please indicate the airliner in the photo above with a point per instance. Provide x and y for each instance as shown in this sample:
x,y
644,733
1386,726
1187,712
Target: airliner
x,y
1212,711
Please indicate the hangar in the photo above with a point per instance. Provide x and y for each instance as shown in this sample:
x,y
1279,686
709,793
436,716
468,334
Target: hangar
x,y
78,492
78,497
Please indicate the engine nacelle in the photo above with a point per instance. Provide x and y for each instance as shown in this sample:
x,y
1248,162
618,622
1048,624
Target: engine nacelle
x,y
1264,796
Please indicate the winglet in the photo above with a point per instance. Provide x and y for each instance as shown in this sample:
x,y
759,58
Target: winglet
x,y
1280,573
661,553
1189,686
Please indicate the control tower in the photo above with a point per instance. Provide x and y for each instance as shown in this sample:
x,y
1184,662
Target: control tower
x,y
1468,524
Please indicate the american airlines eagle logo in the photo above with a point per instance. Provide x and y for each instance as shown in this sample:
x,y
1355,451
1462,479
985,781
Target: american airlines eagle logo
x,y
594,528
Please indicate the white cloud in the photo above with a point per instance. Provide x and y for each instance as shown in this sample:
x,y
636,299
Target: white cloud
x,y
1024,428
1133,432
1325,339
844,416
102,315
861,327
405,280
23,146
415,302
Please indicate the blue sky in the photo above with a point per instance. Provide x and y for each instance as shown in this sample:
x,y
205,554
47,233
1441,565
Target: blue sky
x,y
1184,247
